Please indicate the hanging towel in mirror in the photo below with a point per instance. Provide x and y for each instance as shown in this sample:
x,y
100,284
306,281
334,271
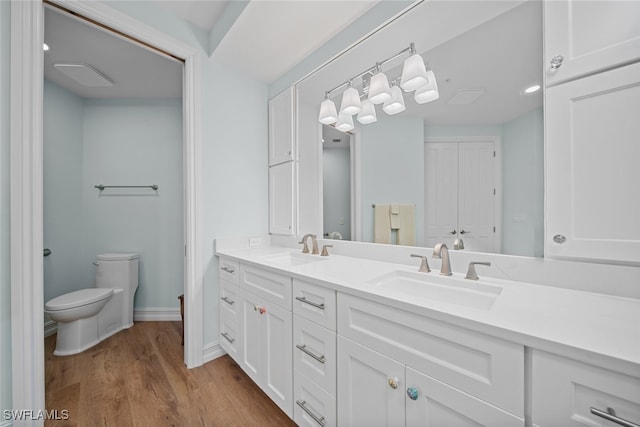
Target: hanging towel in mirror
x,y
381,224
407,229
394,216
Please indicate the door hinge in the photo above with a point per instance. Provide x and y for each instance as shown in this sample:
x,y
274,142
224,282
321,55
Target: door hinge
x,y
494,153
494,228
494,191
185,250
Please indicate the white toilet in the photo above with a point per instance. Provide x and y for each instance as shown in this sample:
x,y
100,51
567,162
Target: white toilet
x,y
88,316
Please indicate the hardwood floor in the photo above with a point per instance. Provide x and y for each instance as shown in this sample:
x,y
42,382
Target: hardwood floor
x,y
137,378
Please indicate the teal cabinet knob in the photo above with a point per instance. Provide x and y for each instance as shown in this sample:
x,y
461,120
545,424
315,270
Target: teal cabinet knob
x,y
412,392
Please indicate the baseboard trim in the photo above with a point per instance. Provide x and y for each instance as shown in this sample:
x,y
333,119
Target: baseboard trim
x,y
212,351
50,328
156,314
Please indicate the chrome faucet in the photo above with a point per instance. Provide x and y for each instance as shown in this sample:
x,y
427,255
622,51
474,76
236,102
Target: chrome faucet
x,y
314,242
440,250
471,272
424,265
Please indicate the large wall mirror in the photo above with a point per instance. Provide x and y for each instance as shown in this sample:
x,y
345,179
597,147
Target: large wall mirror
x,y
467,167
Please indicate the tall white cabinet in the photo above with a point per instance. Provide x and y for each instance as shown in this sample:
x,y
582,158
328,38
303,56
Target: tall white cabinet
x,y
282,164
592,130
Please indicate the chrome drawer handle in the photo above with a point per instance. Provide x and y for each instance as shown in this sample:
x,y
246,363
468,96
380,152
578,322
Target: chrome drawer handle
x,y
610,415
227,300
303,405
303,348
306,301
227,269
231,340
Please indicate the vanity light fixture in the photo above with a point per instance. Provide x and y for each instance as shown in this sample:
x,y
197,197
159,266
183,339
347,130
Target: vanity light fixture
x,y
328,113
375,86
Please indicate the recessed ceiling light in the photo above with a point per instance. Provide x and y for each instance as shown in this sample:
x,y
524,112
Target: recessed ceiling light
x,y
45,47
532,89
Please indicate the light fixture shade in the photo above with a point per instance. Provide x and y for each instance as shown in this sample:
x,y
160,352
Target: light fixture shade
x,y
345,122
350,102
379,91
368,113
394,105
328,114
428,92
414,74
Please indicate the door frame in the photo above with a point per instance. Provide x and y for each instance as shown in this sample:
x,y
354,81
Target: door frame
x,y
26,186
497,176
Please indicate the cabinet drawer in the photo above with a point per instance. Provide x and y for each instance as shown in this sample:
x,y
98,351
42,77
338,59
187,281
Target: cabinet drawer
x,y
486,367
431,403
315,303
229,300
229,338
271,286
229,270
314,353
576,387
313,406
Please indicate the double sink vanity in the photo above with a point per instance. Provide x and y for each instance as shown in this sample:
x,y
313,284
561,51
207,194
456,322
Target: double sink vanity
x,y
350,341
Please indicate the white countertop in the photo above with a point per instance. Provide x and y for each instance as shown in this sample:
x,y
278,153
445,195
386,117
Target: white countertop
x,y
543,317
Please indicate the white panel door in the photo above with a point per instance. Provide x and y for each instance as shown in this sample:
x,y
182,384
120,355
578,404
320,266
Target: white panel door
x,y
441,193
250,347
592,174
281,190
281,128
476,198
366,396
277,353
431,403
590,36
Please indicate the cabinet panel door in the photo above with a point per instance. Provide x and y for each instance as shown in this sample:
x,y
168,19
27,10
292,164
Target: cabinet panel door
x,y
278,362
441,193
229,300
592,176
315,303
314,354
250,347
437,404
229,337
590,35
267,284
365,397
281,128
281,190
313,406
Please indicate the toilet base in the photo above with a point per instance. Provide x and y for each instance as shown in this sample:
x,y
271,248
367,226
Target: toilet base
x,y
82,334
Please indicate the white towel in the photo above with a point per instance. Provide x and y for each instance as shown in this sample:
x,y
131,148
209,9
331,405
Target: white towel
x,y
407,230
394,216
381,224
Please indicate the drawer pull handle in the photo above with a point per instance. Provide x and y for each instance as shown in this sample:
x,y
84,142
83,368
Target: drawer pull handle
x,y
227,300
610,415
303,348
303,405
231,340
228,269
306,301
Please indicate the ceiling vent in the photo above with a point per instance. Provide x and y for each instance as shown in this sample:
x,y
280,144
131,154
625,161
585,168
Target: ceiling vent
x,y
466,96
84,74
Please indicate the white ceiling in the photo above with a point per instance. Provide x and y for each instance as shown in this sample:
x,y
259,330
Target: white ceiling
x,y
202,14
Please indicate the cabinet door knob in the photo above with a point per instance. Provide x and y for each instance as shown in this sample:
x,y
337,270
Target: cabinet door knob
x,y
393,383
559,238
412,392
556,62
464,232
453,232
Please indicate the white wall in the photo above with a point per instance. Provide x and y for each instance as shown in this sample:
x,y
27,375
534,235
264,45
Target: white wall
x,y
336,188
5,253
392,154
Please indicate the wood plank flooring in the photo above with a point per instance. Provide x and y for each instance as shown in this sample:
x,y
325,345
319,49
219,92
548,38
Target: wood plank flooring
x,y
137,378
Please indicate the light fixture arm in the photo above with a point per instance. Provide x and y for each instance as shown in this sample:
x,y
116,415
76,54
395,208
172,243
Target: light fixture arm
x,y
376,68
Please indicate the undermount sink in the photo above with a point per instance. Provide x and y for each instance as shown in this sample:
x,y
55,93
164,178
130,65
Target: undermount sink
x,y
292,259
433,287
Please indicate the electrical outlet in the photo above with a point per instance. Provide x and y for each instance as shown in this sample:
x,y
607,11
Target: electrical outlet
x,y
255,241
341,220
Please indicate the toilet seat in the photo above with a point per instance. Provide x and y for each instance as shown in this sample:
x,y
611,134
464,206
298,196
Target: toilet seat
x,y
78,299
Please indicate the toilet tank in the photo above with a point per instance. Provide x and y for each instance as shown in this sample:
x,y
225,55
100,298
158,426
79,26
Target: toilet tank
x,y
117,271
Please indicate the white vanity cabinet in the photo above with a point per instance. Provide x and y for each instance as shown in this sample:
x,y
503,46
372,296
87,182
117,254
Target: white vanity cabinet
x,y
266,333
592,133
281,130
564,391
281,199
584,37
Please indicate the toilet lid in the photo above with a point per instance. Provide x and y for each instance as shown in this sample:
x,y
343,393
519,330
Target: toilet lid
x,y
78,298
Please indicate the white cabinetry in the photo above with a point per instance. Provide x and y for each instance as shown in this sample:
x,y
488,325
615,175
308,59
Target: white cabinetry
x,y
565,391
592,133
460,194
281,146
265,333
281,198
589,36
228,307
